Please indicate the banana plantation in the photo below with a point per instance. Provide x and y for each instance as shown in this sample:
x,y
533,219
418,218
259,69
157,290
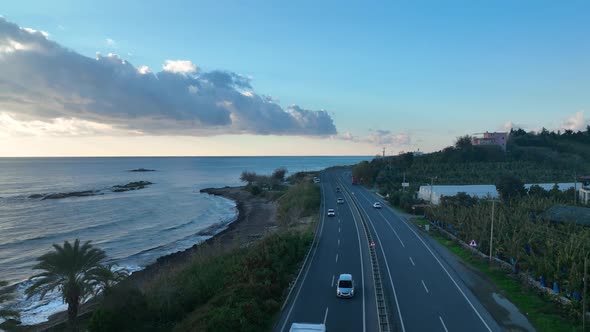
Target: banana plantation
x,y
551,252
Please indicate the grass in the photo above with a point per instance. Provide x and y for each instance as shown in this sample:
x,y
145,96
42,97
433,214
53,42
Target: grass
x,y
545,315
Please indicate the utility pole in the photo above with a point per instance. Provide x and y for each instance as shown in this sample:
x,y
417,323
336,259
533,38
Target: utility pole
x,y
492,230
383,152
575,187
431,183
584,295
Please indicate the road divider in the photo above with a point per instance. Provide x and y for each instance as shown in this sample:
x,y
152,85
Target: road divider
x,y
384,325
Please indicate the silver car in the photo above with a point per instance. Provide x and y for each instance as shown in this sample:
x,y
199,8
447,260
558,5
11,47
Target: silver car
x,y
345,286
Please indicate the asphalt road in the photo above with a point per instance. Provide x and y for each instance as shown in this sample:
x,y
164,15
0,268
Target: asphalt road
x,y
341,247
423,292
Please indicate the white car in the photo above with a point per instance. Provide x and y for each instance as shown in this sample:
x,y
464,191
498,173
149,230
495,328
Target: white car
x,y
340,200
377,205
331,212
306,327
345,286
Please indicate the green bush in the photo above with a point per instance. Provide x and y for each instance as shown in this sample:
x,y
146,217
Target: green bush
x,y
238,291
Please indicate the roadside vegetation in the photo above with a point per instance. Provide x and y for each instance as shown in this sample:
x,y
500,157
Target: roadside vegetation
x,y
241,290
545,315
525,237
543,157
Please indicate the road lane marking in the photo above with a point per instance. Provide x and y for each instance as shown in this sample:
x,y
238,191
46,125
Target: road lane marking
x,y
423,284
446,271
336,258
338,241
439,317
401,319
394,232
326,317
358,236
319,236
339,229
411,260
332,284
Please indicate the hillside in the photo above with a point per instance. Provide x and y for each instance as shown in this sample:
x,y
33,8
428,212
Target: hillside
x,y
532,157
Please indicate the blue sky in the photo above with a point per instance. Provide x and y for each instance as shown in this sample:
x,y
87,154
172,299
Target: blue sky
x,y
431,70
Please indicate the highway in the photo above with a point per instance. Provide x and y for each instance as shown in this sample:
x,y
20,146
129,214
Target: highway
x,y
423,291
341,247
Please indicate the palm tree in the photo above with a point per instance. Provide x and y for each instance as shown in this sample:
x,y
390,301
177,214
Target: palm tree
x,y
6,314
72,270
105,277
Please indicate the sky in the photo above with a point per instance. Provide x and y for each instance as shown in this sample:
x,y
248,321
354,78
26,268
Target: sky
x,y
199,78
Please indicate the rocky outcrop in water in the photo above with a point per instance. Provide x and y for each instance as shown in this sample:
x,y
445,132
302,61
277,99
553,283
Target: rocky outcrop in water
x,y
141,170
130,186
116,189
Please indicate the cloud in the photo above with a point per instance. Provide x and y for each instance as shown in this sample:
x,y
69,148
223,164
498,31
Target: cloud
x,y
43,81
575,122
111,43
378,138
510,125
180,67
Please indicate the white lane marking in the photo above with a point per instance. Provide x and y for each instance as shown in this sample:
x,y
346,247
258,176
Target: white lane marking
x,y
394,232
446,271
338,241
401,319
336,258
423,284
358,236
319,236
441,321
326,316
411,260
338,229
332,284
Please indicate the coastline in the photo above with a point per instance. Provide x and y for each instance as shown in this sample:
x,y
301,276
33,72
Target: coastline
x,y
222,241
256,217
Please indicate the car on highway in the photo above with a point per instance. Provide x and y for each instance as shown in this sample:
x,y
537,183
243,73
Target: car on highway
x,y
337,189
316,180
331,212
340,200
345,286
377,205
307,327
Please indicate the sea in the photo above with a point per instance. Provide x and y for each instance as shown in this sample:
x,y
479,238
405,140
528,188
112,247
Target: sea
x,y
133,227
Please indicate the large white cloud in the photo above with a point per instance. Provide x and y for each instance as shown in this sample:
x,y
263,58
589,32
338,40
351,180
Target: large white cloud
x,y
575,122
43,81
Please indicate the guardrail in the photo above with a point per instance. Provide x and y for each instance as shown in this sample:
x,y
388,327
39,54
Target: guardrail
x,y
379,294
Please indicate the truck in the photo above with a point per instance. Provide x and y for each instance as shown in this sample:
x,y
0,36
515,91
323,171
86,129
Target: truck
x,y
354,180
307,327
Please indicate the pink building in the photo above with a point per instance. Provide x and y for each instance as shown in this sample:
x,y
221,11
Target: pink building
x,y
490,139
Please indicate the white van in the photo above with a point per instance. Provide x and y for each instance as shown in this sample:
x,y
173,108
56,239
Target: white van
x,y
306,327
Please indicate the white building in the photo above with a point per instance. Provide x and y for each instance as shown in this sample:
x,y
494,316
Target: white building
x,y
436,192
549,186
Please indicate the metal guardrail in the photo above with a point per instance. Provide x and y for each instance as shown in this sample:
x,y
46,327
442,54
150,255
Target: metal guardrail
x,y
379,294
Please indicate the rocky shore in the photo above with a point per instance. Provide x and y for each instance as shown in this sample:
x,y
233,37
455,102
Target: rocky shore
x,y
256,217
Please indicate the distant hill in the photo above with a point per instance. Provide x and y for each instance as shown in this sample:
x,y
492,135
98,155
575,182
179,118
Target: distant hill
x,y
533,157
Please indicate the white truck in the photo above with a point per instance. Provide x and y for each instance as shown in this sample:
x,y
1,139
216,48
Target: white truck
x,y
307,327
